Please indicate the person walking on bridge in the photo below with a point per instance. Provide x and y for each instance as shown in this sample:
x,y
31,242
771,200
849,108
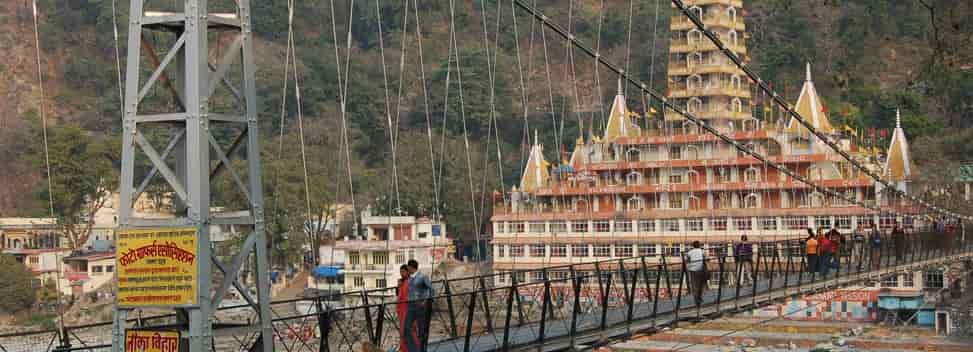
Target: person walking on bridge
x,y
743,254
811,249
875,243
402,308
420,302
696,266
825,251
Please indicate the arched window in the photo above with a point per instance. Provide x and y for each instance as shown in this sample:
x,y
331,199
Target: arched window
x,y
694,59
692,174
752,174
694,36
694,105
694,82
692,153
723,201
636,204
633,178
698,11
751,201
16,244
735,82
732,14
736,105
750,125
732,34
581,205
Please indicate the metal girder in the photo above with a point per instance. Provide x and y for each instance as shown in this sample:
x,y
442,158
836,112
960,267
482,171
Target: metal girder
x,y
187,162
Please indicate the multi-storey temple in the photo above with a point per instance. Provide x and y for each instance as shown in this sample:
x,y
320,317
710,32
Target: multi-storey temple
x,y
637,190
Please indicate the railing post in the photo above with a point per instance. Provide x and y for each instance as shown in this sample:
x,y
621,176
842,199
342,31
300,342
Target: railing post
x,y
682,279
486,304
720,280
520,305
447,290
804,267
790,266
629,292
773,272
739,279
605,291
424,335
469,322
379,323
510,310
658,288
65,338
368,316
756,278
324,326
645,275
545,306
576,286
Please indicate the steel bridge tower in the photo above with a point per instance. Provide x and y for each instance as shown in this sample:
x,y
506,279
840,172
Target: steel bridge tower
x,y
193,98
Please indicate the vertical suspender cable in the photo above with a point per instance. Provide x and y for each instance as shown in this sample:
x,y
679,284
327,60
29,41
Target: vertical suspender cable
x,y
343,102
47,158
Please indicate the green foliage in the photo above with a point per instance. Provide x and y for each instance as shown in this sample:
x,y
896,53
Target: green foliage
x,y
83,171
17,291
870,57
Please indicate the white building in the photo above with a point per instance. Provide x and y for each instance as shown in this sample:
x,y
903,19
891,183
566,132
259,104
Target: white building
x,y
390,241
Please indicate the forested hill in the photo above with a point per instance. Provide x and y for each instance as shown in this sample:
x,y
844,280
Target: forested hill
x,y
869,57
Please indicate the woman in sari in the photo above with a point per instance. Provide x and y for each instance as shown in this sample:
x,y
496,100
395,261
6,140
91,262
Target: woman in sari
x,y
402,305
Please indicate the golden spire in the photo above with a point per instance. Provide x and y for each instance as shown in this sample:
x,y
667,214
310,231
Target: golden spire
x,y
810,108
619,122
898,163
536,174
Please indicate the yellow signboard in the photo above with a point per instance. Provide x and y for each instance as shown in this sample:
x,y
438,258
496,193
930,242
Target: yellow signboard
x,y
151,341
157,267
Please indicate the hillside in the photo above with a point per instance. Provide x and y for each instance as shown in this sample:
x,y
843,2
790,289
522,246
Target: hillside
x,y
869,57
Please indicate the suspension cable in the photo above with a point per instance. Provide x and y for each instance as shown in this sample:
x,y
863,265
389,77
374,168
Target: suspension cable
x,y
47,158
466,139
343,102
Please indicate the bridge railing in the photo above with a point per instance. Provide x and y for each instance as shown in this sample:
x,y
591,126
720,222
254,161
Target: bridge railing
x,y
513,309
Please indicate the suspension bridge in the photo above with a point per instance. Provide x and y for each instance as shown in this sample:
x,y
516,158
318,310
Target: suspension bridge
x,y
596,302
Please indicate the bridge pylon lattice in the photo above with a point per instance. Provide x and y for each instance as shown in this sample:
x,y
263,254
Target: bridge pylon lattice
x,y
198,95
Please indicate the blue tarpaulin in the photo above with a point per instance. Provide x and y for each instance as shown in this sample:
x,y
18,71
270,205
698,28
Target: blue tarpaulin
x,y
327,271
435,230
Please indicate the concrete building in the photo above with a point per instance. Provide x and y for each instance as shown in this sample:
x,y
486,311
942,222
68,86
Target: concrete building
x,y
86,272
389,242
649,186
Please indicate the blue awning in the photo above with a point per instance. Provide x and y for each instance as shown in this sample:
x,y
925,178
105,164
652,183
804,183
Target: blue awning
x,y
327,271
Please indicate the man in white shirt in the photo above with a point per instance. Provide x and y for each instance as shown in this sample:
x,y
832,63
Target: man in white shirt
x,y
696,266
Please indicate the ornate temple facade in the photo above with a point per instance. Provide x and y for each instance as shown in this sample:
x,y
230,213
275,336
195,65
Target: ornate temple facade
x,y
653,183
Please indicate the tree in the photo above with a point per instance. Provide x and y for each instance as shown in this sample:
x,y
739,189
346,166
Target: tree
x,y
17,293
82,177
